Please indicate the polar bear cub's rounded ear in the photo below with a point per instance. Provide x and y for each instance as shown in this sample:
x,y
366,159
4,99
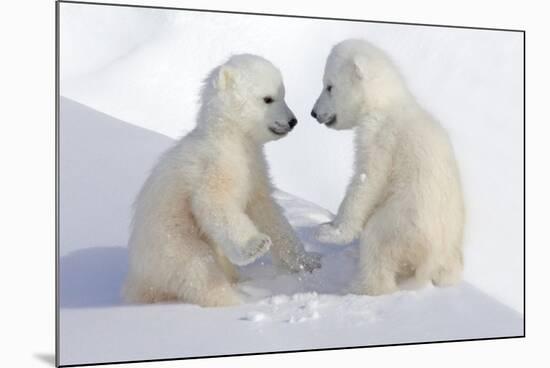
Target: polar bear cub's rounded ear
x,y
359,63
225,78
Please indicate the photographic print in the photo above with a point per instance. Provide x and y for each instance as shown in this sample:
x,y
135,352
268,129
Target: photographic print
x,y
233,183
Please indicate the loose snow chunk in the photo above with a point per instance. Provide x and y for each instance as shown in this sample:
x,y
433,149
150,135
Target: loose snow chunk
x,y
255,316
279,299
308,317
312,304
301,297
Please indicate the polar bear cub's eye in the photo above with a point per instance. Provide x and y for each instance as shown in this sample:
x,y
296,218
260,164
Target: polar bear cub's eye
x,y
329,88
268,99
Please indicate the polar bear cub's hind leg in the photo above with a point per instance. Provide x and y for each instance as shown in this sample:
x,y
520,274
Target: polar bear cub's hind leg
x,y
450,273
205,280
377,263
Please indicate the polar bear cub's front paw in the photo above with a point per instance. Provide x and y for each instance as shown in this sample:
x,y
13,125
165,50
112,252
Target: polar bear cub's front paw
x,y
331,233
256,247
245,254
309,262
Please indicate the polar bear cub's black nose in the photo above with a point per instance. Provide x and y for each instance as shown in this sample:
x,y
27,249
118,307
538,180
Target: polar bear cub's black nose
x,y
292,123
314,114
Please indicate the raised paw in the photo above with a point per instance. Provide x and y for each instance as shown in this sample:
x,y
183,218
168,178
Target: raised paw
x,y
256,247
329,233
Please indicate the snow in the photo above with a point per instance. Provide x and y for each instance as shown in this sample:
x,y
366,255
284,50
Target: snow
x,y
103,163
255,316
170,330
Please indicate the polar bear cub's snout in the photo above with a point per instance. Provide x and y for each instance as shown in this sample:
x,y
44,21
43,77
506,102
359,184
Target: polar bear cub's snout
x,y
323,110
279,128
250,90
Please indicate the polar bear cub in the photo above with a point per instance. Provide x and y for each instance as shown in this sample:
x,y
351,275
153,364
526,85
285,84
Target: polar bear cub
x,y
405,198
207,204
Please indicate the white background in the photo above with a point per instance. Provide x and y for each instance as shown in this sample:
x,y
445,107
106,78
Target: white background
x,y
27,152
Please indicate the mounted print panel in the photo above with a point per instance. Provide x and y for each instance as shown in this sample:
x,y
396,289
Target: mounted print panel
x,y
234,183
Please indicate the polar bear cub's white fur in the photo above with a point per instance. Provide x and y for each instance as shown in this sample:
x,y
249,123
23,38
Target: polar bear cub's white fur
x,y
405,198
207,204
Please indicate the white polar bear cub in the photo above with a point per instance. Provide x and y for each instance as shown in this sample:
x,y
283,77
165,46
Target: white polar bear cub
x,y
405,198
207,204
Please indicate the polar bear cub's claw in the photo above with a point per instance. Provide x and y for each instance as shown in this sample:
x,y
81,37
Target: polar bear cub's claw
x,y
309,262
302,262
256,247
